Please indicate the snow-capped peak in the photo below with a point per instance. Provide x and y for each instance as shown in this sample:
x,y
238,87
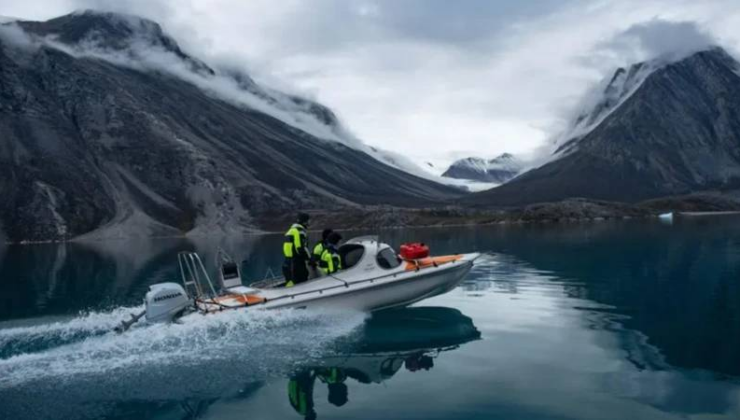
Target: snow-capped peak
x,y
505,161
499,169
607,96
601,101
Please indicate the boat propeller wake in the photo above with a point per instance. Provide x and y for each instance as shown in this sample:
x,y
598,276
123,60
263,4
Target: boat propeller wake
x,y
86,346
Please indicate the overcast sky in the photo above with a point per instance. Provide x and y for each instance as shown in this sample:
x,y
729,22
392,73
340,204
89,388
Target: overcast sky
x,y
433,79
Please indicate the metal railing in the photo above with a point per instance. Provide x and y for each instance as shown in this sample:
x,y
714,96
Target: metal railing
x,y
194,276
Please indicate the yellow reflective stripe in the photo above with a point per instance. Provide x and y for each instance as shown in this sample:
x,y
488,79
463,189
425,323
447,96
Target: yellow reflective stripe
x,y
331,264
333,377
328,259
322,264
288,244
318,249
293,241
293,392
297,397
295,233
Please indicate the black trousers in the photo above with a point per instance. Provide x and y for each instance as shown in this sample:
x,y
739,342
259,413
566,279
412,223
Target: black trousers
x,y
295,269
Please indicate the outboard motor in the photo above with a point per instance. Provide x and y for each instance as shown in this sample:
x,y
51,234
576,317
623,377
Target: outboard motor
x,y
165,302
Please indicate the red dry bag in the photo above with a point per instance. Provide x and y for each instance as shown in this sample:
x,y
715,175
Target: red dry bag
x,y
414,251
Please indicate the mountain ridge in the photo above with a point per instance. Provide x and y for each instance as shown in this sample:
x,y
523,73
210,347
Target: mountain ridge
x,y
497,170
677,133
90,147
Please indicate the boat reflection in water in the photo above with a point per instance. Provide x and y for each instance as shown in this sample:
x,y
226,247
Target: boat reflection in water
x,y
409,338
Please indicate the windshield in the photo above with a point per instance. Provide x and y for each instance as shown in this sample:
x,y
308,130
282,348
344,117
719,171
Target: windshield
x,y
387,258
351,254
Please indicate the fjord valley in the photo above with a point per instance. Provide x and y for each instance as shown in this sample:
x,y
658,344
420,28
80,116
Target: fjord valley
x,y
369,209
111,130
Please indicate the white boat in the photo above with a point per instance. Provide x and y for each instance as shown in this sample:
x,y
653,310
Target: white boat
x,y
373,277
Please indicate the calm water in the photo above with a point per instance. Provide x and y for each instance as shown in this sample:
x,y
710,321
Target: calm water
x,y
595,321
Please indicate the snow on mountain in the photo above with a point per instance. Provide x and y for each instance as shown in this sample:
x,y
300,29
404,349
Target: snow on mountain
x,y
661,128
604,98
497,170
109,129
142,44
427,171
601,101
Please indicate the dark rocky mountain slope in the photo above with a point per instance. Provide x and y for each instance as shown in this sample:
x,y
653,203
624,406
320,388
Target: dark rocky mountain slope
x,y
674,130
94,142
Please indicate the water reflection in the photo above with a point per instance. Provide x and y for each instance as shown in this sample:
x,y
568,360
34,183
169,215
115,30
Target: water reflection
x,y
410,338
68,278
679,286
583,321
580,350
184,371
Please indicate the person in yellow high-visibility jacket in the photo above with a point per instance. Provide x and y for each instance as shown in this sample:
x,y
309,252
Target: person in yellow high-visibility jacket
x,y
318,249
301,385
334,379
300,394
330,261
295,251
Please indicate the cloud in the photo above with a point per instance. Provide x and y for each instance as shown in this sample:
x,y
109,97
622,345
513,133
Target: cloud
x,y
145,51
658,39
144,56
430,78
13,35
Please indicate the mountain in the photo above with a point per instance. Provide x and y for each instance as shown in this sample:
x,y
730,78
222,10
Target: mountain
x,y
657,129
109,129
497,170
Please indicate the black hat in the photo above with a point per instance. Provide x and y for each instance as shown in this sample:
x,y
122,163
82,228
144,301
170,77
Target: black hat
x,y
325,234
303,218
338,394
334,238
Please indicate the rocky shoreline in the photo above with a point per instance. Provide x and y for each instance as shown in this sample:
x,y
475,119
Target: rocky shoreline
x,y
567,211
572,210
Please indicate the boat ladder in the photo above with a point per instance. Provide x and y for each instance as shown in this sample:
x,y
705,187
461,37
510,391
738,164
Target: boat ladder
x,y
194,276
